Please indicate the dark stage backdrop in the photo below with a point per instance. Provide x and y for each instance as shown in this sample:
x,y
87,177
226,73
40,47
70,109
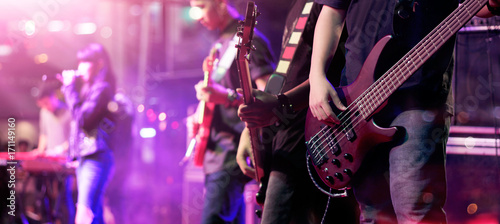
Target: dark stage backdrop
x,y
477,76
473,180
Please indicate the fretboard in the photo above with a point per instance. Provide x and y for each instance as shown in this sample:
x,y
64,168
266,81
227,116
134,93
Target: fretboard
x,y
388,83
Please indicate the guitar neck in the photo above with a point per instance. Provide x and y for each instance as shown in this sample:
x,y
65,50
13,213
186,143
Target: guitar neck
x,y
201,114
244,47
388,83
245,81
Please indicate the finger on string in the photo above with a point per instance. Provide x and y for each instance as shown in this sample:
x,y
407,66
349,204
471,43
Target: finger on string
x,y
336,101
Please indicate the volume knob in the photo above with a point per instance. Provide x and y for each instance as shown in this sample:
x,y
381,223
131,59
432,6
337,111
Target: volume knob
x,y
348,157
336,162
330,179
339,176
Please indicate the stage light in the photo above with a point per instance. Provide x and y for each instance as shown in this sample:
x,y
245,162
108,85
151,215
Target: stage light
x,y
41,58
29,28
147,132
106,32
472,208
140,108
85,28
195,13
147,155
175,125
162,116
162,126
470,142
55,26
151,115
113,106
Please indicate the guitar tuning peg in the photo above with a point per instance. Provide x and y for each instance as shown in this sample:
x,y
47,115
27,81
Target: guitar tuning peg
x,y
253,48
257,14
241,22
237,46
239,34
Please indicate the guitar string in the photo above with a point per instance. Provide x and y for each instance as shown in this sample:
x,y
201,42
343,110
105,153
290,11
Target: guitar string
x,y
453,26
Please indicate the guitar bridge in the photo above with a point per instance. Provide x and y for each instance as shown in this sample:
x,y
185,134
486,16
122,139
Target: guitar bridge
x,y
321,144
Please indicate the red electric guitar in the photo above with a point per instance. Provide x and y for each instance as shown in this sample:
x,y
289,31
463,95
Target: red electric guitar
x,y
205,115
337,152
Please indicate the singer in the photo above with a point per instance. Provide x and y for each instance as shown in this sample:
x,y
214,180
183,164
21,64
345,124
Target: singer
x,y
88,91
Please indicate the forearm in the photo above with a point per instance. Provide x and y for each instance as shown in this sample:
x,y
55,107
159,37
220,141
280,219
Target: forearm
x,y
327,34
485,12
299,96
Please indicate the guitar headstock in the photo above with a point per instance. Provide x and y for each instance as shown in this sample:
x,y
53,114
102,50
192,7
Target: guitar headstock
x,y
213,58
245,31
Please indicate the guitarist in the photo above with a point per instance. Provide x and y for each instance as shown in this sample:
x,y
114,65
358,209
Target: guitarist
x,y
224,181
291,197
402,181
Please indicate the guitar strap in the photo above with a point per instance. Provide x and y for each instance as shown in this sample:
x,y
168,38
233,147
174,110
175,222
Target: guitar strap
x,y
226,60
292,40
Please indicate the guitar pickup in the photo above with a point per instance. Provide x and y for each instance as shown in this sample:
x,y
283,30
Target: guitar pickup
x,y
331,141
346,127
350,134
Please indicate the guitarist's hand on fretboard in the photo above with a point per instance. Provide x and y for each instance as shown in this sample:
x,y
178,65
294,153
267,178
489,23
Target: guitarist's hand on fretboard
x,y
213,93
261,112
210,61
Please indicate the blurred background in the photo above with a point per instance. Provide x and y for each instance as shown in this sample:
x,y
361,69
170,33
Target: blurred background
x,y
157,50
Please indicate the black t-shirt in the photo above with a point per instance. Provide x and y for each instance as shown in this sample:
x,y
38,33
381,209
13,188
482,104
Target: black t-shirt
x,y
367,21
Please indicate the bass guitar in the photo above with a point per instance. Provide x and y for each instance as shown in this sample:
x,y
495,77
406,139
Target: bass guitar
x,y
338,151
